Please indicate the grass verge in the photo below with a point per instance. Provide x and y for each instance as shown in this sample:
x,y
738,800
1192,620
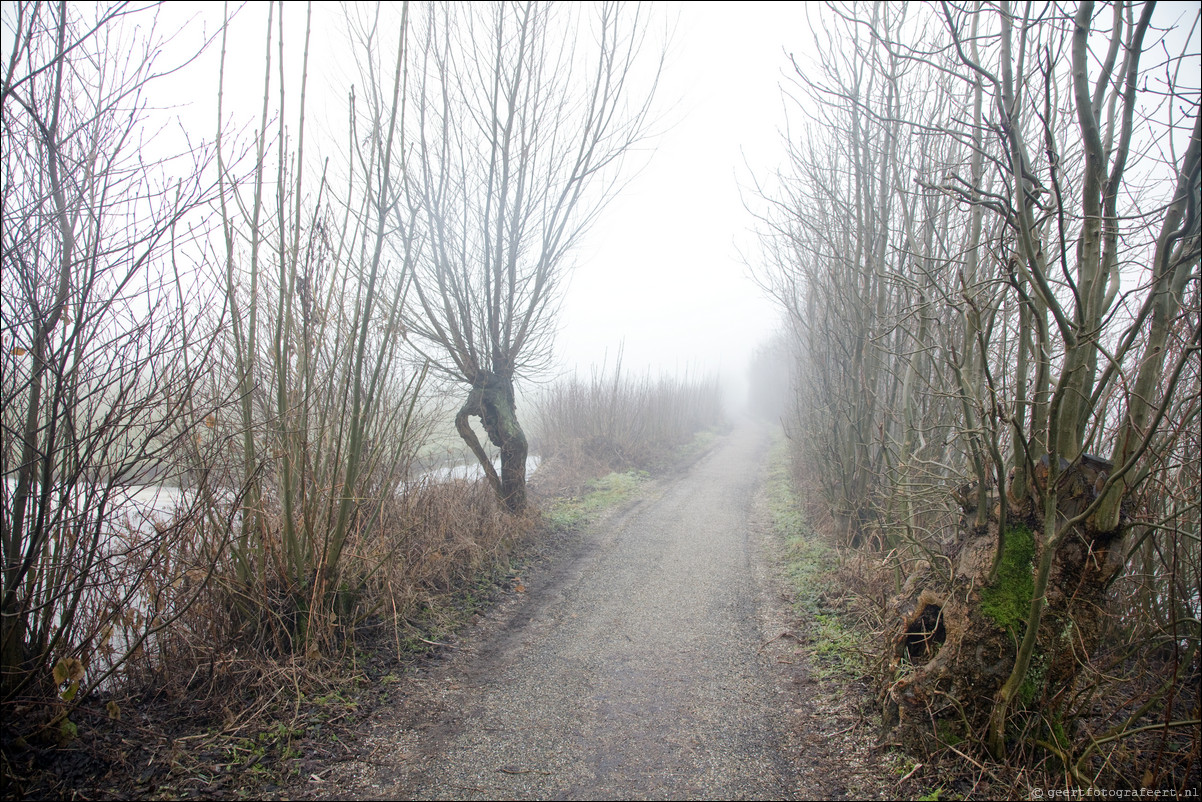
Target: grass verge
x,y
839,647
573,511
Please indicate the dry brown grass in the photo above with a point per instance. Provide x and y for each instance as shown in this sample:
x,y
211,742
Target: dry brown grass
x,y
440,538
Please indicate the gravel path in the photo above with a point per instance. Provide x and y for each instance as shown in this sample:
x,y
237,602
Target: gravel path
x,y
646,664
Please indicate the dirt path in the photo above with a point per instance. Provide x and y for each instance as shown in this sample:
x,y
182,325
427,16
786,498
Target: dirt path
x,y
645,664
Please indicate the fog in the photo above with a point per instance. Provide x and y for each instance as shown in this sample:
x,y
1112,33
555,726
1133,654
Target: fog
x,y
663,274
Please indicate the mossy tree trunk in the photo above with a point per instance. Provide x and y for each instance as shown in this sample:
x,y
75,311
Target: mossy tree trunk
x,y
968,652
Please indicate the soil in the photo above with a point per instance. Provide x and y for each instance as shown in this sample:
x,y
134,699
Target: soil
x,y
656,657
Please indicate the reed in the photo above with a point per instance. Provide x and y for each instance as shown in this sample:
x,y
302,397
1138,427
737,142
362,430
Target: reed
x,y
614,422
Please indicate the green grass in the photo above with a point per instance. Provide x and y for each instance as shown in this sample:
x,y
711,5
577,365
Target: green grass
x,y
835,645
599,495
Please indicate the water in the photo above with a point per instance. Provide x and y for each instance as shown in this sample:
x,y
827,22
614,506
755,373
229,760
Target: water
x,y
471,471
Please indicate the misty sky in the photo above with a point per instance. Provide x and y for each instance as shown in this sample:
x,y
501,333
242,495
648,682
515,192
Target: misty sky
x,y
662,271
660,274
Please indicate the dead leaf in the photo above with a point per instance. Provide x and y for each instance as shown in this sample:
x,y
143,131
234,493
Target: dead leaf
x,y
68,669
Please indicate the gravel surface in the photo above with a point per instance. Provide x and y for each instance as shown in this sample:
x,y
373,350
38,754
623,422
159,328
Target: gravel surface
x,y
648,662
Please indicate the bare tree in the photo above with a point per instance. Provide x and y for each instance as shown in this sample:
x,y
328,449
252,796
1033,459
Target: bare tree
x,y
521,118
99,358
